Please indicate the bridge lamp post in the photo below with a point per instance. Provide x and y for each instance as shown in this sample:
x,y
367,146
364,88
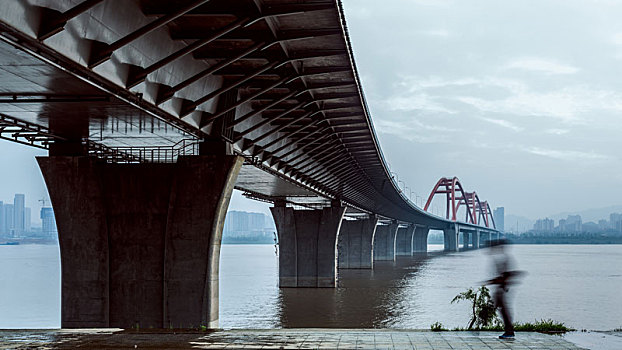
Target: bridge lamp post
x,y
403,183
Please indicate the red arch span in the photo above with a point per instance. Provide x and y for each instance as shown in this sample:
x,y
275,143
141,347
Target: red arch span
x,y
456,196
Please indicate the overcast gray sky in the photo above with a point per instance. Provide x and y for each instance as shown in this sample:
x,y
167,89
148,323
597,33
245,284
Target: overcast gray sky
x,y
522,100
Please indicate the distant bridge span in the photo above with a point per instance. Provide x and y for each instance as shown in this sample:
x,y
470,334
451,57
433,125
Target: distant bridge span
x,y
154,110
456,196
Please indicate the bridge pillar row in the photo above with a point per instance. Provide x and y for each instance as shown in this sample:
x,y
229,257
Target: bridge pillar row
x,y
384,242
140,243
355,244
404,240
420,239
451,238
307,245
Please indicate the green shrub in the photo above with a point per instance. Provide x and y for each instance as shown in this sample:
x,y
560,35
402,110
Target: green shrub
x,y
483,309
437,327
484,316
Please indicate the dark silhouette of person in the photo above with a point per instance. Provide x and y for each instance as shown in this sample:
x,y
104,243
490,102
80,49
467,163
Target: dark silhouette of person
x,y
505,277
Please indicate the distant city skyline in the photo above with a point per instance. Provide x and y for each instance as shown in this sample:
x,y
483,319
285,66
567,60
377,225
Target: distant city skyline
x,y
575,223
28,211
18,222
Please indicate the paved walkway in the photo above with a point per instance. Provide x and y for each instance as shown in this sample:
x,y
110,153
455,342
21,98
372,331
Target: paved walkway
x,y
276,339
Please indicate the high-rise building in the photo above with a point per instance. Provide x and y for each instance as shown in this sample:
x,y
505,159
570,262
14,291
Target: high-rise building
x,y
615,222
499,215
18,214
241,223
48,222
544,225
574,223
8,220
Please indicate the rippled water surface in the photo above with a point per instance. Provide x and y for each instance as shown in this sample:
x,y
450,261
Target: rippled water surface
x,y
577,284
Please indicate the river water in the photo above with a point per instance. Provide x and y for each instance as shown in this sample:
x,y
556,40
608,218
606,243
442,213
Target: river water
x,y
579,285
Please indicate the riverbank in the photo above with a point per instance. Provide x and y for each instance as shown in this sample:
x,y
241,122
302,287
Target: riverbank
x,y
316,338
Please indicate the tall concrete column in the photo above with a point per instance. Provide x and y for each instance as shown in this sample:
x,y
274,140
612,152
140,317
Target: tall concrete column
x,y
404,240
140,243
475,239
466,238
485,239
355,243
420,239
384,242
451,238
307,245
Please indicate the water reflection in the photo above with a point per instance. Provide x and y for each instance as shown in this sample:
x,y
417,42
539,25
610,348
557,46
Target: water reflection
x,y
362,299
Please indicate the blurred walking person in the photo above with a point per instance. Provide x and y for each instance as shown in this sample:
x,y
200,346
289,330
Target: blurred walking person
x,y
503,264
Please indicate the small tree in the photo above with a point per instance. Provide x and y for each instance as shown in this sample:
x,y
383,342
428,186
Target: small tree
x,y
483,309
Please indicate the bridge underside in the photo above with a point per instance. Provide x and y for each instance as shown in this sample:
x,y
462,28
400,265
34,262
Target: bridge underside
x,y
148,93
273,80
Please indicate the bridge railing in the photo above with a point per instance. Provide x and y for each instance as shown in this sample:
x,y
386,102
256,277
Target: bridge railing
x,y
407,193
154,154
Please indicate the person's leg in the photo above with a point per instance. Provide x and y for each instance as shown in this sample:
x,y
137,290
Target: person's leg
x,y
503,310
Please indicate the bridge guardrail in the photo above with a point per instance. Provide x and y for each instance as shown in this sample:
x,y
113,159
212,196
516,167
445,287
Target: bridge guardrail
x,y
155,154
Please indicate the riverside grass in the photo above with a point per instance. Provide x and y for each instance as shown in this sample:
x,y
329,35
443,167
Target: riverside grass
x,y
484,316
542,326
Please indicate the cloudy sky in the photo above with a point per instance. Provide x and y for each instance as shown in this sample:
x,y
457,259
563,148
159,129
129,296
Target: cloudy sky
x,y
522,100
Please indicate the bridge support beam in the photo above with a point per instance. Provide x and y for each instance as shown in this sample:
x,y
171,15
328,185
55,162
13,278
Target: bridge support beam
x,y
355,243
451,239
420,239
140,243
404,241
307,245
384,242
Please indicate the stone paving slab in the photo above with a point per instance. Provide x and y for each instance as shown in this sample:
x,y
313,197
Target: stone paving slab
x,y
277,339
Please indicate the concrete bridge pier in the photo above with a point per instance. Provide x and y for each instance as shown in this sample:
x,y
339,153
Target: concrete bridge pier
x,y
420,239
484,239
384,242
466,239
356,243
451,238
404,240
140,243
475,239
307,245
